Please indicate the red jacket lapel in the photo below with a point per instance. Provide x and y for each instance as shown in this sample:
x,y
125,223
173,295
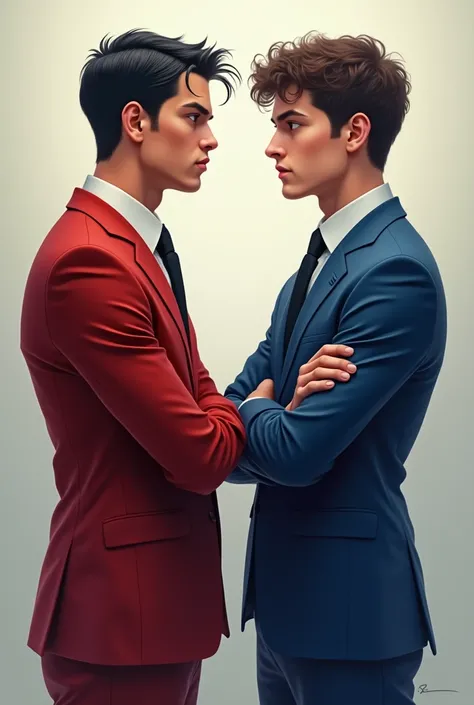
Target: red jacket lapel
x,y
116,226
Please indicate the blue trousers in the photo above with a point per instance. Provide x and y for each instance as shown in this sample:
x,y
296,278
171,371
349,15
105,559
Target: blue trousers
x,y
285,680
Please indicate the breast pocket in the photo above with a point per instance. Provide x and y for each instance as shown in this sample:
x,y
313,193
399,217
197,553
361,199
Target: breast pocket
x,y
309,345
323,337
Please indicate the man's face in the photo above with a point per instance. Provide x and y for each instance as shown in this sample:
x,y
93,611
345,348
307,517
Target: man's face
x,y
175,155
308,159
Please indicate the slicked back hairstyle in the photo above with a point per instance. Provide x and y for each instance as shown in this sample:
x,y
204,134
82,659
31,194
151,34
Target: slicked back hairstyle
x,y
145,67
344,76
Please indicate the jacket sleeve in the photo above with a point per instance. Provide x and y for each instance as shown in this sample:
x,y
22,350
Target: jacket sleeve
x,y
99,318
256,369
389,319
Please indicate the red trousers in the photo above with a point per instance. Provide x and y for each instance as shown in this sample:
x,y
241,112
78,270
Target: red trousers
x,y
75,683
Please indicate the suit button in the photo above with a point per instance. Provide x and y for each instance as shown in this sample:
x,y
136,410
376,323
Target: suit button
x,y
212,516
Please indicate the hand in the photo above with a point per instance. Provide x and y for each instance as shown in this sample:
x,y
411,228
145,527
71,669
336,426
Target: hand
x,y
322,371
265,389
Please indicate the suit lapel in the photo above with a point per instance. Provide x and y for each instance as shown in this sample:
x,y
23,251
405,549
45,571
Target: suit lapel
x,y
152,270
335,269
116,226
332,273
278,330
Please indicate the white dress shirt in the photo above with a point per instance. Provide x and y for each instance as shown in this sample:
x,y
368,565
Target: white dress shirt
x,y
148,225
338,225
145,222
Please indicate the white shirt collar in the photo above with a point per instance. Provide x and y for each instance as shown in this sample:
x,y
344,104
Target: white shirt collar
x,y
338,225
145,222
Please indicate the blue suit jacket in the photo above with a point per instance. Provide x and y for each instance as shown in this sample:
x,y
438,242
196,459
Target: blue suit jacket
x,y
331,569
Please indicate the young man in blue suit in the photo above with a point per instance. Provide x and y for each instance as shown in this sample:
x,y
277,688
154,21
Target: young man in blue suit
x,y
333,579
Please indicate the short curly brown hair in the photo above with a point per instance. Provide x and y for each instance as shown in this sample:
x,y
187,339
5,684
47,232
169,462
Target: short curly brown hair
x,y
344,76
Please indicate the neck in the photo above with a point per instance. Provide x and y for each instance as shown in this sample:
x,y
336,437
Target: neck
x,y
126,174
352,186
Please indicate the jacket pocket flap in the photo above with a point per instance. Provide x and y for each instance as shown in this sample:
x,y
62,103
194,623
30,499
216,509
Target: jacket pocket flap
x,y
342,523
145,528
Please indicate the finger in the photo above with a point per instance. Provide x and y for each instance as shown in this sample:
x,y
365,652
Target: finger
x,y
328,361
311,388
323,373
337,350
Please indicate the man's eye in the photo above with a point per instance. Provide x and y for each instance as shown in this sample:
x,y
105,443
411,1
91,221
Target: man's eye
x,y
194,117
293,125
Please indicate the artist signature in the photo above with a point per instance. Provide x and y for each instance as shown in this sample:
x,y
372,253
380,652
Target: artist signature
x,y
424,689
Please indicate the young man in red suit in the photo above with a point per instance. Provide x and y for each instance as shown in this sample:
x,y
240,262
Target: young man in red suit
x,y
130,598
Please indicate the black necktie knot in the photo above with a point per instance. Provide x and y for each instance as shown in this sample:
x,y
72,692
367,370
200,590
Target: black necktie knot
x,y
316,245
165,243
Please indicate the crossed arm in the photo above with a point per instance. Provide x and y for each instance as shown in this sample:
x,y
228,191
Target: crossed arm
x,y
99,318
389,318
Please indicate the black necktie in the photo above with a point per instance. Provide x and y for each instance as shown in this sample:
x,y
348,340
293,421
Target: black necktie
x,y
166,251
303,278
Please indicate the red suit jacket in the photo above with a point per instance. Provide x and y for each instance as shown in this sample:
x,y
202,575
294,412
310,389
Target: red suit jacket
x,y
132,573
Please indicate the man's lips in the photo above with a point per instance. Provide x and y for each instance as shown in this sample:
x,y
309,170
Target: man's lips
x,y
282,172
203,164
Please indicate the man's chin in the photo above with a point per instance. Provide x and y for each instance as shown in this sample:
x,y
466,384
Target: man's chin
x,y
293,193
188,186
193,187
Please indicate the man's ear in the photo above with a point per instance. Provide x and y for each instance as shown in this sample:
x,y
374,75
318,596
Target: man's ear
x,y
132,121
357,132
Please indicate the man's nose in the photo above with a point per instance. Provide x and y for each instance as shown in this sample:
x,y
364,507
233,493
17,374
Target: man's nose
x,y
209,142
274,151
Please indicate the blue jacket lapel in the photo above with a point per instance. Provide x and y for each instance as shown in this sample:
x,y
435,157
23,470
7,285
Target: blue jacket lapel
x,y
332,273
363,234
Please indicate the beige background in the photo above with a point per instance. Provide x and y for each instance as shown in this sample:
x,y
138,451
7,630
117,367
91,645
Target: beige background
x,y
239,240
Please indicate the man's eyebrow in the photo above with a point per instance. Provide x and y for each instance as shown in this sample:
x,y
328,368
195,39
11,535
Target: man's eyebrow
x,y
287,114
198,106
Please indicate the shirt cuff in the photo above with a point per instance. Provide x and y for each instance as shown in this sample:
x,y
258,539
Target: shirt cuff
x,y
246,400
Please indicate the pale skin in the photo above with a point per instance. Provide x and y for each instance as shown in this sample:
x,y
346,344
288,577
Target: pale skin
x,y
337,170
149,161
